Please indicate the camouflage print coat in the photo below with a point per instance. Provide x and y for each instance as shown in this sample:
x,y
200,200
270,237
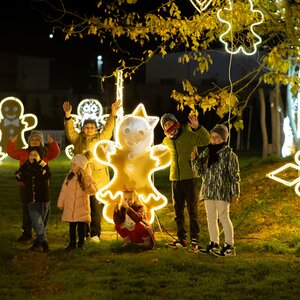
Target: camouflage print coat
x,y
220,181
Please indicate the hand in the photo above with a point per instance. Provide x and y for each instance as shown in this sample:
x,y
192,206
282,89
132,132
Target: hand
x,y
115,107
67,107
50,139
193,121
235,200
14,138
193,155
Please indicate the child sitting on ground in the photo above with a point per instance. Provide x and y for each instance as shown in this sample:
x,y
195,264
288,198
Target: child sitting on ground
x,y
130,218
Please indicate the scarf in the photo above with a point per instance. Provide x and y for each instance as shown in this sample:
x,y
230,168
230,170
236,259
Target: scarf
x,y
213,155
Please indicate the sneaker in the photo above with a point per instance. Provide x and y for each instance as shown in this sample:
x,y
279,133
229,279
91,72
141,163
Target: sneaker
x,y
70,247
211,248
227,250
36,246
45,246
178,244
81,246
193,246
95,239
25,237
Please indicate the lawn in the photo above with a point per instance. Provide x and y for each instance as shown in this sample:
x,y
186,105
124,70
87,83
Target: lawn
x,y
267,239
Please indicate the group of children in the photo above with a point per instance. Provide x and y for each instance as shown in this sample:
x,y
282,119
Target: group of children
x,y
217,166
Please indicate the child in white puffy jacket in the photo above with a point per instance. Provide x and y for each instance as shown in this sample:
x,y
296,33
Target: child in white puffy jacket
x,y
74,199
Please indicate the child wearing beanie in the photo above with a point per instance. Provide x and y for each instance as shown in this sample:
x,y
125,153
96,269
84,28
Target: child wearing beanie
x,y
35,174
74,201
182,140
219,169
35,139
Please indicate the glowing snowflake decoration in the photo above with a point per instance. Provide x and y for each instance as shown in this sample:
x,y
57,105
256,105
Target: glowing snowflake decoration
x,y
226,16
274,175
133,161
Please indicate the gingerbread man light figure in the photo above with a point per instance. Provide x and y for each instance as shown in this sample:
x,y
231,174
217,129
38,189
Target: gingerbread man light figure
x,y
87,109
133,160
13,121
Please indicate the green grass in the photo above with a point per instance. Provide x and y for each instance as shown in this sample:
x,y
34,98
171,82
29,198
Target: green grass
x,y
266,266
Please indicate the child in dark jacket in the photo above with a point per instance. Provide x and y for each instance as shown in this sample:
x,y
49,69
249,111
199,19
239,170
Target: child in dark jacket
x,y
35,139
130,218
35,174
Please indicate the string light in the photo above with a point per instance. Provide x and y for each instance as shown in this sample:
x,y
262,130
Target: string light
x,y
133,161
240,48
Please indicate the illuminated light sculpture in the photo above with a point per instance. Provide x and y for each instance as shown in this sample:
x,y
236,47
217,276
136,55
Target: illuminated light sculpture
x,y
133,161
13,121
201,5
229,33
295,181
87,109
120,112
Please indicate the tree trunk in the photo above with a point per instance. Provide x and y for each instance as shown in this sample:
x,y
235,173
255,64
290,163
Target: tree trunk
x,y
263,122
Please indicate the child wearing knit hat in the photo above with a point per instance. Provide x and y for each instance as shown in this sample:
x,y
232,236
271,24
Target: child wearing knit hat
x,y
219,169
35,139
35,174
74,198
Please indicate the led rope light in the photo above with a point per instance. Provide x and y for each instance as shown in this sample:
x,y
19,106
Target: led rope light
x,y
296,182
13,121
241,48
201,5
133,161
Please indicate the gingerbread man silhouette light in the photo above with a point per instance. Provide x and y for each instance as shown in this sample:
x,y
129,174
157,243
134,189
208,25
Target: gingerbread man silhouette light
x,y
13,121
87,109
133,161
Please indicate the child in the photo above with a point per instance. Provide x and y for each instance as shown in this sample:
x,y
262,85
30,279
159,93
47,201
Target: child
x,y
131,221
85,141
182,140
219,168
35,174
35,139
74,199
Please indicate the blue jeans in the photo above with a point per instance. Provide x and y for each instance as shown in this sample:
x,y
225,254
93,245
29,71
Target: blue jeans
x,y
39,213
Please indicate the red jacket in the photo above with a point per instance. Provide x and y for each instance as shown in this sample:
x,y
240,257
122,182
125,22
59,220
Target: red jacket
x,y
22,154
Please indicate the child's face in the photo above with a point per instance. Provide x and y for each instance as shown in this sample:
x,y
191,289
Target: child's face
x,y
34,142
216,139
34,156
168,125
89,129
74,168
128,198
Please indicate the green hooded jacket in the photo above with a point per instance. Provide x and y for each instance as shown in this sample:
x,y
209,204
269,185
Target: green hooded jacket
x,y
181,149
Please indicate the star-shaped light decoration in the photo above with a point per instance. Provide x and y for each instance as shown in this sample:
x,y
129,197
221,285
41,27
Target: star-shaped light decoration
x,y
133,161
246,36
295,180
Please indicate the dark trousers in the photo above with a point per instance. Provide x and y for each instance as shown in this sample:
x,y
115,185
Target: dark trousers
x,y
26,220
186,191
80,226
94,228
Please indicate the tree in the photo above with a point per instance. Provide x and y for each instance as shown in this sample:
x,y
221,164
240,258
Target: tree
x,y
162,27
